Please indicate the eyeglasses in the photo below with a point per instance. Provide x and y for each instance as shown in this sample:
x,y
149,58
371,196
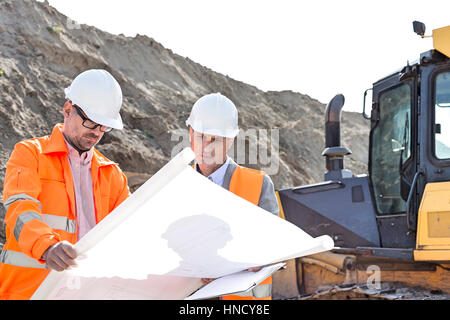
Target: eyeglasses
x,y
88,123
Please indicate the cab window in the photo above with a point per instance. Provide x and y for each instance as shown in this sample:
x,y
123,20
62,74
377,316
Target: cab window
x,y
390,148
442,116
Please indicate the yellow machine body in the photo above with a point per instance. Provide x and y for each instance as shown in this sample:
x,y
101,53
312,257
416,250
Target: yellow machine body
x,y
441,40
433,225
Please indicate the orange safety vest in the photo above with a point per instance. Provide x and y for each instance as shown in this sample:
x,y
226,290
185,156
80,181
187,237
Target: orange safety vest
x,y
39,200
247,183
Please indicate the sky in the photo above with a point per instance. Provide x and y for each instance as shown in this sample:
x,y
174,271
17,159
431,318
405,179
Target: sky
x,y
319,48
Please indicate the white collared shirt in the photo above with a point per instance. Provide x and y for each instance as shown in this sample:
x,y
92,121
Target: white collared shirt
x,y
218,176
80,166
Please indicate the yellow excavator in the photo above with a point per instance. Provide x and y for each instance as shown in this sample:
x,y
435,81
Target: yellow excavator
x,y
391,228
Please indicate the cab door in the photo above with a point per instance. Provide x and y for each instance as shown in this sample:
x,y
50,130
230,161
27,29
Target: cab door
x,y
393,156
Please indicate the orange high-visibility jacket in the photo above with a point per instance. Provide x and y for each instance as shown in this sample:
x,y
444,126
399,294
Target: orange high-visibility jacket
x,y
247,183
39,200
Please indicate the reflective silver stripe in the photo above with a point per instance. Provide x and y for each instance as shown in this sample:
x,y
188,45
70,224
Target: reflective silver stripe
x,y
59,222
18,197
261,291
24,218
244,294
55,222
20,259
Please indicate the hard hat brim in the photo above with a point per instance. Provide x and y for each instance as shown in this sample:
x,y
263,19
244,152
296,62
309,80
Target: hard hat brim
x,y
214,132
109,122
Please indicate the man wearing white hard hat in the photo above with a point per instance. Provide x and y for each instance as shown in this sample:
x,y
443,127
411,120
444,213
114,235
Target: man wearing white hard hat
x,y
58,187
213,126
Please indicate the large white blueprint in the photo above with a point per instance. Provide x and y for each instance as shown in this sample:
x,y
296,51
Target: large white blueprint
x,y
178,227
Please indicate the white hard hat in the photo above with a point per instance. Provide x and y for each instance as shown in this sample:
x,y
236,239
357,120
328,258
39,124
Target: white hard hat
x,y
99,95
214,114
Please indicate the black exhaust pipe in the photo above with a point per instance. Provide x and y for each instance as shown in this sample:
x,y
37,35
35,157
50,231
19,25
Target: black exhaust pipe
x,y
334,152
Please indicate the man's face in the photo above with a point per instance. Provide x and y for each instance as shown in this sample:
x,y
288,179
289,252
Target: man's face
x,y
79,136
209,150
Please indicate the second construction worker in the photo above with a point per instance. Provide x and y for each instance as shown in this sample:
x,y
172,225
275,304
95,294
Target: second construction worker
x,y
213,126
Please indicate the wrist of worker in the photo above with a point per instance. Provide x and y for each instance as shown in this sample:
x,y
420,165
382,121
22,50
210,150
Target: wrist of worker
x,y
44,255
44,246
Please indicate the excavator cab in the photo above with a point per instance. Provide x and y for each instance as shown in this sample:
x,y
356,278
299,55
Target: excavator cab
x,y
397,217
393,156
409,147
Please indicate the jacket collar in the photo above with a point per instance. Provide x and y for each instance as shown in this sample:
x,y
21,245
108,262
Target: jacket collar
x,y
57,144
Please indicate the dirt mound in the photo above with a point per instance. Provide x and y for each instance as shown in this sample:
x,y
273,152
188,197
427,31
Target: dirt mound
x,y
41,55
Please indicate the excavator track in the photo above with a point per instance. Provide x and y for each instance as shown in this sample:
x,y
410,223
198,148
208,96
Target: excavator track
x,y
360,276
389,291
